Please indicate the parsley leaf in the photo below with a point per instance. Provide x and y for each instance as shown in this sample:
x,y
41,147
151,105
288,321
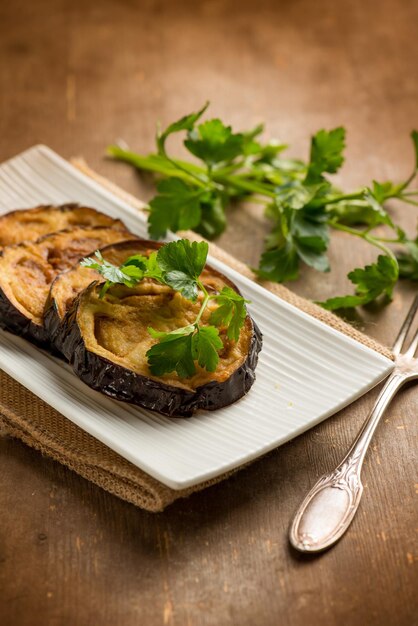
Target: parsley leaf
x,y
383,191
182,282
230,313
326,153
367,209
280,264
129,273
125,275
152,267
371,282
185,123
213,142
311,237
178,350
304,204
205,346
177,264
175,207
300,233
172,353
374,200
296,195
213,220
135,267
182,263
184,330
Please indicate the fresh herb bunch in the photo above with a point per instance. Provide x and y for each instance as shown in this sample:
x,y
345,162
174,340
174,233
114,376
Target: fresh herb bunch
x,y
179,265
300,200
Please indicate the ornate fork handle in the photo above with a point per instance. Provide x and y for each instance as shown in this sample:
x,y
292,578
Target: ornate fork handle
x,y
330,506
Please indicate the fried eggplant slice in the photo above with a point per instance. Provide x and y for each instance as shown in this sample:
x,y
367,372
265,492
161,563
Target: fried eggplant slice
x,y
30,224
67,286
107,340
28,269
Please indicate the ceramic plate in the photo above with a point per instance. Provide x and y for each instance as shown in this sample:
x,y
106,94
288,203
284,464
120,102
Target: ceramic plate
x,y
307,371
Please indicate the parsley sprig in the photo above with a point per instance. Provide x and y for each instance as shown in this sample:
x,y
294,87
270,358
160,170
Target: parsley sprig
x,y
179,265
300,199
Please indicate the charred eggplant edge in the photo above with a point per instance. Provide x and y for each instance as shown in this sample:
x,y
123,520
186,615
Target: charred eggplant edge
x,y
121,383
14,321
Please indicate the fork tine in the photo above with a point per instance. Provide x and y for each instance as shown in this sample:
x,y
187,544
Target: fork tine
x,y
397,346
413,346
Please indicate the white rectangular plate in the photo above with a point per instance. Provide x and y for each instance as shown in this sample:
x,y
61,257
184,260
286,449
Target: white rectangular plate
x,y
306,372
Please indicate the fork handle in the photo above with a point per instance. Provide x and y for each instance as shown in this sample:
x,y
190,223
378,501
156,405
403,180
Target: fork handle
x,y
330,506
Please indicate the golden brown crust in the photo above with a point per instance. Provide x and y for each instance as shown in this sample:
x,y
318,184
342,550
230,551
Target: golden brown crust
x,y
27,269
116,327
30,224
67,285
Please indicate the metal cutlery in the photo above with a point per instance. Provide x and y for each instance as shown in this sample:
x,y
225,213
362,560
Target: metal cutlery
x,y
330,506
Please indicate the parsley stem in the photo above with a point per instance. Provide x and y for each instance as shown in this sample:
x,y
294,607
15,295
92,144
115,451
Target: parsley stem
x,y
304,202
240,183
374,241
158,164
359,195
151,162
408,180
228,169
408,201
204,303
347,229
201,180
378,244
356,195
387,240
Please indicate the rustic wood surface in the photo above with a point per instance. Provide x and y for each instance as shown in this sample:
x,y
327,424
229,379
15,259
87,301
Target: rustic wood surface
x,y
75,76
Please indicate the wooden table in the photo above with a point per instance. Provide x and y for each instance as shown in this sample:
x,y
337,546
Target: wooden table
x,y
75,76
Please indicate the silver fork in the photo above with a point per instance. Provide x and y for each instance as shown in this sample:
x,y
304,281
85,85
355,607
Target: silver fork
x,y
331,504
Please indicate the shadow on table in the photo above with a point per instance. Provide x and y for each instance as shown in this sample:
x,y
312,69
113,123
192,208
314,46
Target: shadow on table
x,y
263,496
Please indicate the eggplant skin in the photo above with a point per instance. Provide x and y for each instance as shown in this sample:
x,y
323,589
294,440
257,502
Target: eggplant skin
x,y
123,384
11,319
52,327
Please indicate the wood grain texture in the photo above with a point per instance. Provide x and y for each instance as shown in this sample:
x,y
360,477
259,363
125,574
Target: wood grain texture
x,y
75,76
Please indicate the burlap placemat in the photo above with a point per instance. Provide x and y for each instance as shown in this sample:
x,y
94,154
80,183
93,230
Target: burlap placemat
x,y
25,416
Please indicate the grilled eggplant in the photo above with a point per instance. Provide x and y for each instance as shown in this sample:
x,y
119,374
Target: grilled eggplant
x,y
27,270
67,285
30,224
107,340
